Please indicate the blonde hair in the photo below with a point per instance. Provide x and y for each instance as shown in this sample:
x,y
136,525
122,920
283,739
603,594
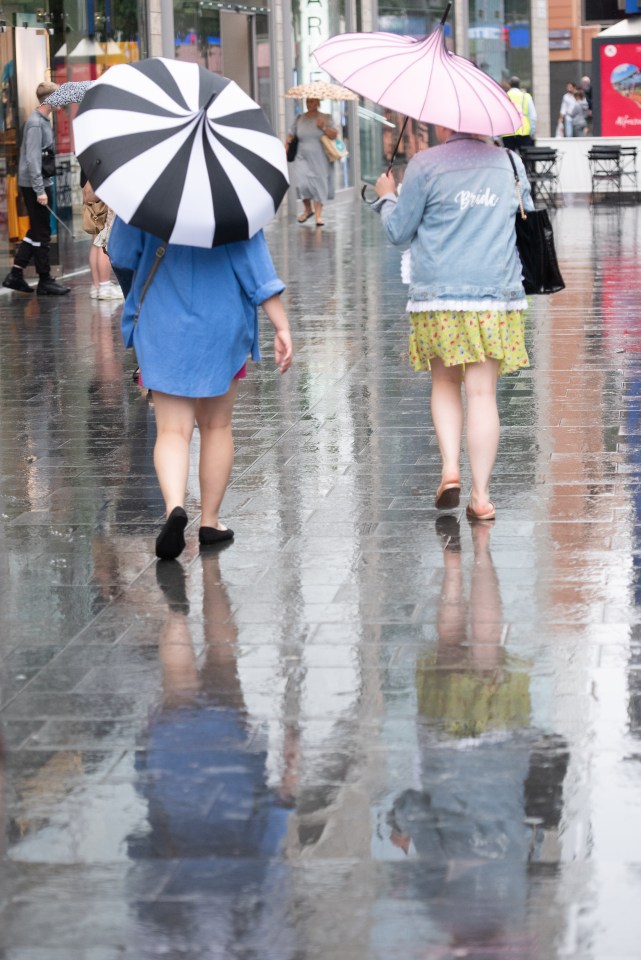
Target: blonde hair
x,y
44,89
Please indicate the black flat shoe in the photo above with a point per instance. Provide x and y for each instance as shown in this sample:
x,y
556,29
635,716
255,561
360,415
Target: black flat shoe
x,y
207,536
170,542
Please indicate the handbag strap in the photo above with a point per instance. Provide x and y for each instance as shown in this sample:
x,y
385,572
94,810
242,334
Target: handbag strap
x,y
160,253
518,184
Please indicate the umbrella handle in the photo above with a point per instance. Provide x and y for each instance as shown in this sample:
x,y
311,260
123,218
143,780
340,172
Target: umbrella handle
x,y
447,13
363,189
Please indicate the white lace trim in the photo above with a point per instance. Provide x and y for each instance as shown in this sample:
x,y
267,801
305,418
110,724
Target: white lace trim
x,y
422,306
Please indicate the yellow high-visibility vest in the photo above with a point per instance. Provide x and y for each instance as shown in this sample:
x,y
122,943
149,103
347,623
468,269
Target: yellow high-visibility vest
x,y
520,99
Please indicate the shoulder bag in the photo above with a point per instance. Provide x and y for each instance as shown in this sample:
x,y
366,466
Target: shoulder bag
x,y
535,245
334,149
160,253
94,211
48,165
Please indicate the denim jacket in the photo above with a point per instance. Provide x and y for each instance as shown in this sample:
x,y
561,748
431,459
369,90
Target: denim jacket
x,y
456,211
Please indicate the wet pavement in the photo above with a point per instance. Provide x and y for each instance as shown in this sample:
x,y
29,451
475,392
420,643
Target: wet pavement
x,y
360,731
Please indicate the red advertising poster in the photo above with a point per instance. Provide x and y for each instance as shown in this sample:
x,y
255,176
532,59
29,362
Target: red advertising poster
x,y
621,88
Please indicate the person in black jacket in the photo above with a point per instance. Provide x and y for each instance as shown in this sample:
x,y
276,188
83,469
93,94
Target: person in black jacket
x,y
35,182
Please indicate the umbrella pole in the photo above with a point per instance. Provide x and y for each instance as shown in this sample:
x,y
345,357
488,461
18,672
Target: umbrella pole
x,y
61,222
398,143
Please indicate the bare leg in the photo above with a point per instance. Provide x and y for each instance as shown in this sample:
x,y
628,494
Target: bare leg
x,y
447,416
485,603
318,210
213,415
99,265
175,426
483,428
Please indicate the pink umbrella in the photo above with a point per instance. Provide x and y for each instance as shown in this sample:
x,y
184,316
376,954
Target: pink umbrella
x,y
420,78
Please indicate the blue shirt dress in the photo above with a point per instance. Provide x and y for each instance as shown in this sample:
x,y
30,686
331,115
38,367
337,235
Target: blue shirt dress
x,y
199,319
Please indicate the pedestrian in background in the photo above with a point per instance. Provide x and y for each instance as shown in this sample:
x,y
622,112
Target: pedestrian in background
x,y
97,222
522,100
193,332
579,114
311,166
456,212
568,102
36,168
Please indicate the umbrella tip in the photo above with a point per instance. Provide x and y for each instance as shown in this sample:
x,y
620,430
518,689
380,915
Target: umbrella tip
x,y
447,12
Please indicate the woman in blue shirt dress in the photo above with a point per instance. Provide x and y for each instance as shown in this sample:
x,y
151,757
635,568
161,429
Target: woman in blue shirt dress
x,y
197,325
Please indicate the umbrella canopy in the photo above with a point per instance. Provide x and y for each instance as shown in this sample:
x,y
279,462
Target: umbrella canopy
x,y
420,78
71,92
180,152
319,90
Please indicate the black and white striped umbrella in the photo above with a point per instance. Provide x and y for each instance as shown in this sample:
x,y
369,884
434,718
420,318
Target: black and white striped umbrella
x,y
180,152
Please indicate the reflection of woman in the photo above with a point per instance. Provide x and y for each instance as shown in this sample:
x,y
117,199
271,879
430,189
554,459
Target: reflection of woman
x,y
312,168
466,821
456,212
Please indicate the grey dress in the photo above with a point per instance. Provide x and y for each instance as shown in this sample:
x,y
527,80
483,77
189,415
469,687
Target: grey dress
x,y
311,166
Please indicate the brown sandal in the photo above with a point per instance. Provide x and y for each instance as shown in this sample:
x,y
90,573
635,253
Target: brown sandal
x,y
472,514
448,495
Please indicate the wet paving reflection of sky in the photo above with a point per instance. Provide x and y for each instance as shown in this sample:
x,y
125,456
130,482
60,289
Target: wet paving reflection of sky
x,y
362,730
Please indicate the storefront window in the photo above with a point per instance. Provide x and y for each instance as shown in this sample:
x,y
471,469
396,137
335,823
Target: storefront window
x,y
313,22
64,40
230,39
500,39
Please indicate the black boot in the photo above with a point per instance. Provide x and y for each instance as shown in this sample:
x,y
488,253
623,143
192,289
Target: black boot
x,y
14,280
48,287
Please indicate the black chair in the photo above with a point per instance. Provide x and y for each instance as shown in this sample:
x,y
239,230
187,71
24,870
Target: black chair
x,y
629,167
542,168
606,172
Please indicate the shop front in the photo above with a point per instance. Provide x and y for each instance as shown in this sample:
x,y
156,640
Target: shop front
x,y
71,40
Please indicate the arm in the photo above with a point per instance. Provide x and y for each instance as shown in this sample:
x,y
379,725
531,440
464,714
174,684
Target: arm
x,y
532,115
32,147
293,131
324,125
283,349
526,190
402,215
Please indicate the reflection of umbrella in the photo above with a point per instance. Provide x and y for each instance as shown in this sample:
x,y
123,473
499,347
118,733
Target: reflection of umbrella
x,y
72,92
180,152
420,78
319,90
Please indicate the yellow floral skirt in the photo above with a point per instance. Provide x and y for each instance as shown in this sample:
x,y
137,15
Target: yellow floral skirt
x,y
468,336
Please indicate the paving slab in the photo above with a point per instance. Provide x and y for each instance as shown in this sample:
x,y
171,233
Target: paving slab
x,y
362,730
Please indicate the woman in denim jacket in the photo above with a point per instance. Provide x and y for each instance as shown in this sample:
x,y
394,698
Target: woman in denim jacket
x,y
456,212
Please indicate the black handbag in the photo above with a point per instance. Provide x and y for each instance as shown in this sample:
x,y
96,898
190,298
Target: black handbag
x,y
48,163
292,147
535,245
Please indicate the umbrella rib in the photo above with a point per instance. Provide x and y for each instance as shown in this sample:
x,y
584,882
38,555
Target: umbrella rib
x,y
497,93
